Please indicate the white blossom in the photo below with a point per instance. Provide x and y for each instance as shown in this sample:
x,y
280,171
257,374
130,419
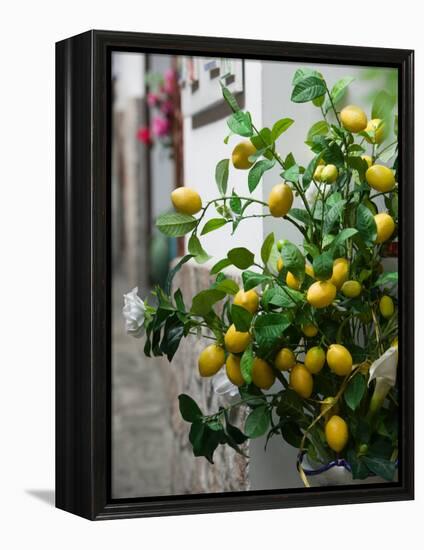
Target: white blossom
x,y
134,312
383,371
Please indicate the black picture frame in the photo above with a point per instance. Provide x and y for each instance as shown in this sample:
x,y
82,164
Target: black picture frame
x,y
83,379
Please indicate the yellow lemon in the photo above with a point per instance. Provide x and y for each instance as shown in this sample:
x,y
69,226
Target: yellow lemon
x,y
241,153
318,172
309,330
186,200
340,272
262,374
292,281
236,341
280,264
285,359
280,200
386,306
353,118
301,381
380,178
309,270
367,159
352,289
339,359
315,359
211,360
329,174
321,294
385,227
375,127
232,367
248,300
336,433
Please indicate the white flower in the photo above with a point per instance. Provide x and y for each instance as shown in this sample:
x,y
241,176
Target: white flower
x,y
223,387
383,371
134,312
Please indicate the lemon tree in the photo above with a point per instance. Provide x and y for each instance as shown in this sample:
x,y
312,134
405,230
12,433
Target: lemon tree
x,y
303,332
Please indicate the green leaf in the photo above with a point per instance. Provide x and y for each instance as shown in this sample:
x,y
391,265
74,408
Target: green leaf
x,y
252,279
280,127
175,224
290,405
228,286
381,467
333,215
221,175
235,203
308,89
355,391
219,266
241,257
292,174
257,423
240,123
246,364
195,248
214,223
341,237
365,224
282,297
320,128
388,153
289,161
203,302
323,266
230,99
311,249
269,328
267,247
172,333
188,408
292,434
382,106
300,215
304,72
358,164
387,278
338,91
293,259
241,318
174,271
257,171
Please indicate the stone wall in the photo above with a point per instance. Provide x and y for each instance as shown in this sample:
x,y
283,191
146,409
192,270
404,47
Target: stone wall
x,y
230,470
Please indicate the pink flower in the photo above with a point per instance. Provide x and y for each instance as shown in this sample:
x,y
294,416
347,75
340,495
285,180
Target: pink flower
x,y
160,126
152,99
169,81
166,107
143,135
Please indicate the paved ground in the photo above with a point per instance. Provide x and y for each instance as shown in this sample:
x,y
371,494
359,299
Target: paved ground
x,y
141,433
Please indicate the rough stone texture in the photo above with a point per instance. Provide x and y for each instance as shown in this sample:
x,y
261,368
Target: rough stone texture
x,y
151,453
230,470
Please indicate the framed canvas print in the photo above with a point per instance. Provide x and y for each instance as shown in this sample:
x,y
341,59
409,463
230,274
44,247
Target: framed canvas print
x,y
234,275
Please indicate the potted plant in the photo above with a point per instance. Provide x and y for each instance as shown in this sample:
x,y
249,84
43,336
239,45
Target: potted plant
x,y
308,339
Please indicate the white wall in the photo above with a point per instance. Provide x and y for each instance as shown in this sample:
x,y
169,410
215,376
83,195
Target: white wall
x,y
27,232
203,148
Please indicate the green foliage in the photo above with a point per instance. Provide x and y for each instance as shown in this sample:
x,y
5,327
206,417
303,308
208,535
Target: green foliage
x,y
337,223
221,175
257,423
175,224
242,318
308,89
241,257
257,171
